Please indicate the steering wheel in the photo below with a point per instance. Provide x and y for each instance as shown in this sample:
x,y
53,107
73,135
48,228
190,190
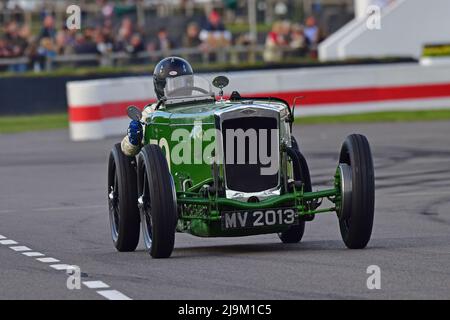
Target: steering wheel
x,y
180,90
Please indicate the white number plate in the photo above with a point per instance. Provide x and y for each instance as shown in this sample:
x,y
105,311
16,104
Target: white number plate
x,y
259,218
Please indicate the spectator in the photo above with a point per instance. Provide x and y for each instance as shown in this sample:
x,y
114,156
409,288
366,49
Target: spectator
x,y
107,31
84,44
105,41
275,43
104,44
17,44
17,39
46,52
285,30
163,42
312,32
36,61
48,30
136,44
126,31
214,35
192,36
192,40
134,47
298,41
65,41
47,48
5,50
25,36
105,47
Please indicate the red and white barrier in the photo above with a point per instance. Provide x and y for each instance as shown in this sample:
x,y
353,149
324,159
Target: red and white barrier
x,y
355,89
97,108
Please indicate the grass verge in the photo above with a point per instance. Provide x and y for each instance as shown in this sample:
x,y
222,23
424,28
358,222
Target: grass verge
x,y
60,121
17,124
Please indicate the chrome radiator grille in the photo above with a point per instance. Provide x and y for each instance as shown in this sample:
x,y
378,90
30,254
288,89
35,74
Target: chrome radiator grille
x,y
251,135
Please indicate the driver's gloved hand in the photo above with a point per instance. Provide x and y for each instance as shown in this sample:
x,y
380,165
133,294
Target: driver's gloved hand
x,y
135,134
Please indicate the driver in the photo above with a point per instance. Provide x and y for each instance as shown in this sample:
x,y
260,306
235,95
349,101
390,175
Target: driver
x,y
171,67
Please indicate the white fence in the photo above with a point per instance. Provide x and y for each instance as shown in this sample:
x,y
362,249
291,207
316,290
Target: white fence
x,y
97,108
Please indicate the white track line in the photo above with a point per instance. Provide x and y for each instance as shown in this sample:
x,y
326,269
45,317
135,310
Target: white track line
x,y
61,266
108,294
6,211
69,208
113,295
7,242
95,284
419,194
20,248
33,254
47,260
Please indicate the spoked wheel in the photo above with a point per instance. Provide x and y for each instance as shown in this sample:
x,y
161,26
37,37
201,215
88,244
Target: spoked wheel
x,y
157,202
301,173
357,184
122,201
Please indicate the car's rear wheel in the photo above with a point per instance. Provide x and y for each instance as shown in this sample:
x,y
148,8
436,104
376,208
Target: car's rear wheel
x,y
122,200
358,192
294,234
157,202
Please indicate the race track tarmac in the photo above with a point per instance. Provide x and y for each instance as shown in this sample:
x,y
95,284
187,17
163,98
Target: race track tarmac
x,y
53,205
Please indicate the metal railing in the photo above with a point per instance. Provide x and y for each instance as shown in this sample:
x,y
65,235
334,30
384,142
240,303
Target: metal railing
x,y
230,55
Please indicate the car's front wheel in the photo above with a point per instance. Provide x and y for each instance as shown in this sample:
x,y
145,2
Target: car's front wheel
x,y
357,192
157,202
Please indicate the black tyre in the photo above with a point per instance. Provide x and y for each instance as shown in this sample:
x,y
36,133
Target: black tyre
x,y
122,200
157,202
357,213
301,169
301,173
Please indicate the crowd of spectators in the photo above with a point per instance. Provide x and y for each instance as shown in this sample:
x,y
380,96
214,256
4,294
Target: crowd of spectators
x,y
107,34
104,36
287,39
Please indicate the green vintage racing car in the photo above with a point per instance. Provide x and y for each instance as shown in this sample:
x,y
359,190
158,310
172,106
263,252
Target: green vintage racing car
x,y
215,167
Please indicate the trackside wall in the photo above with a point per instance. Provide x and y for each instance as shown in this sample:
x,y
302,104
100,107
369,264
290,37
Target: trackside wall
x,y
97,108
